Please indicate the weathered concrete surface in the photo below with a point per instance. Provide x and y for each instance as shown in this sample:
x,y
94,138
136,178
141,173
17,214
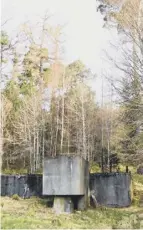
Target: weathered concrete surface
x,y
22,185
63,204
65,175
112,189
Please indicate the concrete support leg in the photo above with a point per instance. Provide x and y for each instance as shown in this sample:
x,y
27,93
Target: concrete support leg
x,y
63,204
82,203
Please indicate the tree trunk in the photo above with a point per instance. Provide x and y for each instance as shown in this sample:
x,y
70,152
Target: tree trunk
x,y
102,129
83,128
37,151
57,128
62,128
43,146
34,151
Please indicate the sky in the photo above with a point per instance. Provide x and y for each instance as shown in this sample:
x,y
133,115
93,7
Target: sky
x,y
85,37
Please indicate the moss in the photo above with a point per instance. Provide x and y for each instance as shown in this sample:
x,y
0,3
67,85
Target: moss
x,y
15,197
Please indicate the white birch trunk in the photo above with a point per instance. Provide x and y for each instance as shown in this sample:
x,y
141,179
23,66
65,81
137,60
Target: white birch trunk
x,y
57,128
83,127
62,128
43,146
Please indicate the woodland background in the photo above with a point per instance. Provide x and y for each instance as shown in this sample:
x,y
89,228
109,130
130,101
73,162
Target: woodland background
x,y
48,108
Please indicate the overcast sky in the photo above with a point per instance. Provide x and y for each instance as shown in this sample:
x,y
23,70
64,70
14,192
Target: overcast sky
x,y
85,37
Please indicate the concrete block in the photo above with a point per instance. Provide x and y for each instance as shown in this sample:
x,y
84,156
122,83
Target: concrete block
x,y
65,175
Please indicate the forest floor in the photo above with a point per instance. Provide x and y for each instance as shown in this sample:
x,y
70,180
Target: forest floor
x,y
33,213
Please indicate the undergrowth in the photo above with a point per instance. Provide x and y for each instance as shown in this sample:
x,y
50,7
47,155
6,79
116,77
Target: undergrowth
x,y
21,171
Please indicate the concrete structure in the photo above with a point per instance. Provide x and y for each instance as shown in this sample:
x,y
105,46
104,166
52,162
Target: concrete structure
x,y
108,189
22,185
112,189
66,176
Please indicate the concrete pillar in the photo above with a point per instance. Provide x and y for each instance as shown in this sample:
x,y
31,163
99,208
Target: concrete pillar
x,y
81,205
63,204
83,202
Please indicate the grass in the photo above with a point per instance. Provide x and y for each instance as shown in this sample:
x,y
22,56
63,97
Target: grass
x,y
34,214
94,168
18,171
137,188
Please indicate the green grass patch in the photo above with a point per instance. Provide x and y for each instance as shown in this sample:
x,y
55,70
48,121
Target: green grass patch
x,y
19,171
137,189
35,214
15,197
